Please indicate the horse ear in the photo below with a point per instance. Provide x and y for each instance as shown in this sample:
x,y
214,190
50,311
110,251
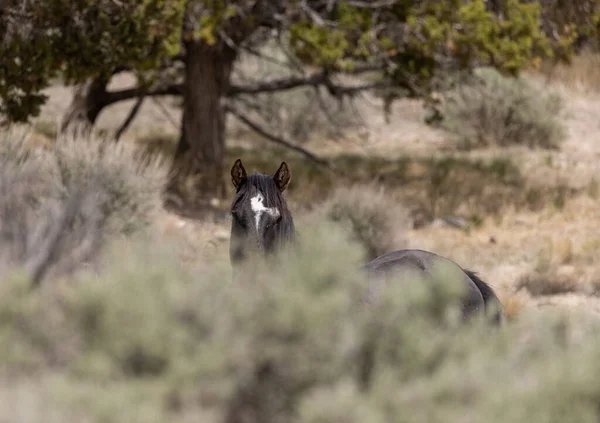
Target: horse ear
x,y
283,176
238,173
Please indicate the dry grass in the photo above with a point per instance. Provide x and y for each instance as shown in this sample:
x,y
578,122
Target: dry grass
x,y
556,271
552,282
514,305
582,75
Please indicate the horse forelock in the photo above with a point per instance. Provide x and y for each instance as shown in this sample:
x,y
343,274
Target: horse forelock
x,y
265,185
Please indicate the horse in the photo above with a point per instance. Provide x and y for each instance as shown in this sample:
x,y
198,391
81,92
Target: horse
x,y
262,224
261,221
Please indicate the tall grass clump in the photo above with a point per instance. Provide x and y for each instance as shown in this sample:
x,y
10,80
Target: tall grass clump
x,y
59,205
490,109
147,338
373,217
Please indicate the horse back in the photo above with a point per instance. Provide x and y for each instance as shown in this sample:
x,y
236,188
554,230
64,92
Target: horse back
x,y
477,297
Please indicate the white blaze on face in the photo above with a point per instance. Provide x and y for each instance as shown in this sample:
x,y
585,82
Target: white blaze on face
x,y
258,207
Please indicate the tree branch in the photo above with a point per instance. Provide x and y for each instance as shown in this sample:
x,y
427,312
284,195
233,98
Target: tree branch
x,y
321,78
278,85
112,97
278,140
340,90
282,84
130,117
374,4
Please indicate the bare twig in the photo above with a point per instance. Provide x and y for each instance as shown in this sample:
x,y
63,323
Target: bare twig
x,y
323,107
317,19
266,57
374,4
321,78
166,113
130,117
340,90
274,138
40,264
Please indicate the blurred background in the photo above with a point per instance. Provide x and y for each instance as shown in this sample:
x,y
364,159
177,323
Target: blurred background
x,y
468,128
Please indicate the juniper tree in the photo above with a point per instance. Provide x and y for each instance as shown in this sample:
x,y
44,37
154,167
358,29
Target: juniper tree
x,y
400,47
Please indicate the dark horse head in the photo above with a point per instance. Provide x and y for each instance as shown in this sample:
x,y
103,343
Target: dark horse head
x,y
261,221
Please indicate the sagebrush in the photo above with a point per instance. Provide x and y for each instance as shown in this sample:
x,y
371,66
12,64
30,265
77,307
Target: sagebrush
x,y
490,109
373,216
59,205
150,339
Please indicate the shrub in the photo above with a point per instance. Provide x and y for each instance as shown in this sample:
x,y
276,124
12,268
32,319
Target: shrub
x,y
490,109
373,217
57,206
290,347
553,273
130,182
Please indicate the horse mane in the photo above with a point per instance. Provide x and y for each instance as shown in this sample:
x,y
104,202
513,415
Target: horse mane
x,y
273,198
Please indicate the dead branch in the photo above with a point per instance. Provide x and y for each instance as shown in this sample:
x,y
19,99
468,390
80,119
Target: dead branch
x,y
130,117
274,138
166,113
375,4
275,85
321,78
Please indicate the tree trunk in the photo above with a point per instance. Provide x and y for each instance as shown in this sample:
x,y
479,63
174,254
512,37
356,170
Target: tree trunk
x,y
201,149
88,101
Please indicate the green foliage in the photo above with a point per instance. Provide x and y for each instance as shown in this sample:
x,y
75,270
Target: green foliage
x,y
491,109
76,40
219,15
464,32
336,47
509,44
444,37
577,21
416,44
